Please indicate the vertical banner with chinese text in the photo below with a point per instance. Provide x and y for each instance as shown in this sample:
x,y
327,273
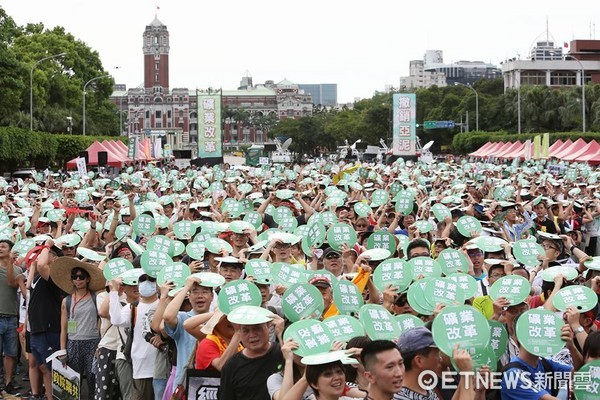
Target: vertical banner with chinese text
x,y
132,147
405,119
209,125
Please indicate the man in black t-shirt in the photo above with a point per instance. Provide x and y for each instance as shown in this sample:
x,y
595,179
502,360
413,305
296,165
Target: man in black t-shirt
x,y
245,375
43,312
543,223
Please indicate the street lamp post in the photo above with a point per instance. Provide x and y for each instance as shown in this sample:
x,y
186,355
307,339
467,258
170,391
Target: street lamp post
x,y
476,103
121,116
519,102
31,86
582,80
84,86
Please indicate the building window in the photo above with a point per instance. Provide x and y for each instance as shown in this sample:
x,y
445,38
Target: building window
x,y
169,114
155,38
563,78
156,77
533,78
156,65
147,114
158,124
158,114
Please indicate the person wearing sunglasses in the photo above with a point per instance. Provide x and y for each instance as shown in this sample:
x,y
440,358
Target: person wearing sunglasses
x,y
332,261
79,334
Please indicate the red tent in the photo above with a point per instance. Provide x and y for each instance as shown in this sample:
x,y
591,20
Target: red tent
x,y
592,152
591,148
575,147
554,146
517,152
560,148
509,149
481,149
122,146
114,159
593,159
492,150
113,146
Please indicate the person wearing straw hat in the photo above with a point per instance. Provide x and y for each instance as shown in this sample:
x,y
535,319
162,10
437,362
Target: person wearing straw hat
x,y
79,335
221,342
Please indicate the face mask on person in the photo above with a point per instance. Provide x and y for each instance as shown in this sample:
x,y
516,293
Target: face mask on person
x,y
147,289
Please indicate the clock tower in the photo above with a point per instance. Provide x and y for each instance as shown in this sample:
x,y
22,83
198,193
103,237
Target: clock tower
x,y
156,58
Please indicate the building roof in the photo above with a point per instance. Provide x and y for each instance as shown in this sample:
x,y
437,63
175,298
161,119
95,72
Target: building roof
x,y
285,82
156,22
119,93
254,91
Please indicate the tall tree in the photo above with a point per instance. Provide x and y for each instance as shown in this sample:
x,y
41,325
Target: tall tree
x,y
58,82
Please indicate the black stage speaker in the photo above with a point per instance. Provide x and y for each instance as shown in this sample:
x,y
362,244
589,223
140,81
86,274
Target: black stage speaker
x,y
85,155
102,158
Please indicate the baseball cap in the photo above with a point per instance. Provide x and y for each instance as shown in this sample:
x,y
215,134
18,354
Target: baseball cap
x,y
330,250
415,339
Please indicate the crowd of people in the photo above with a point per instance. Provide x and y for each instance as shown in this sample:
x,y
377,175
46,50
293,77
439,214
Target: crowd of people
x,y
313,281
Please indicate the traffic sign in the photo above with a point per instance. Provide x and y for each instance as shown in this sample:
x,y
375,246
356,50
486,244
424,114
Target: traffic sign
x,y
438,124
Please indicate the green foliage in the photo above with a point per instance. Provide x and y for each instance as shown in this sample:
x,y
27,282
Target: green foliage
x,y
57,82
465,143
19,147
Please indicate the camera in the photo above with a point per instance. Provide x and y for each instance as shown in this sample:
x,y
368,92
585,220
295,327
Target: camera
x,y
148,337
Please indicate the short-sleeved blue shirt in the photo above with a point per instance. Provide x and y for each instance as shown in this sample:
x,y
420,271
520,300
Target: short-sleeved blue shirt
x,y
185,344
529,384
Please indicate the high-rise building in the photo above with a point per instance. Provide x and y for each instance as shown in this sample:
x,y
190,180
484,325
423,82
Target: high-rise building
x,y
433,71
419,78
324,94
545,50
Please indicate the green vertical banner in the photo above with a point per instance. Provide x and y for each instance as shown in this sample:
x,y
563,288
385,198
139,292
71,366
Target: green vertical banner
x,y
132,147
545,146
209,125
537,147
405,119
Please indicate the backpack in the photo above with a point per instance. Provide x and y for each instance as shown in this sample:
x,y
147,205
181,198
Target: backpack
x,y
553,390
